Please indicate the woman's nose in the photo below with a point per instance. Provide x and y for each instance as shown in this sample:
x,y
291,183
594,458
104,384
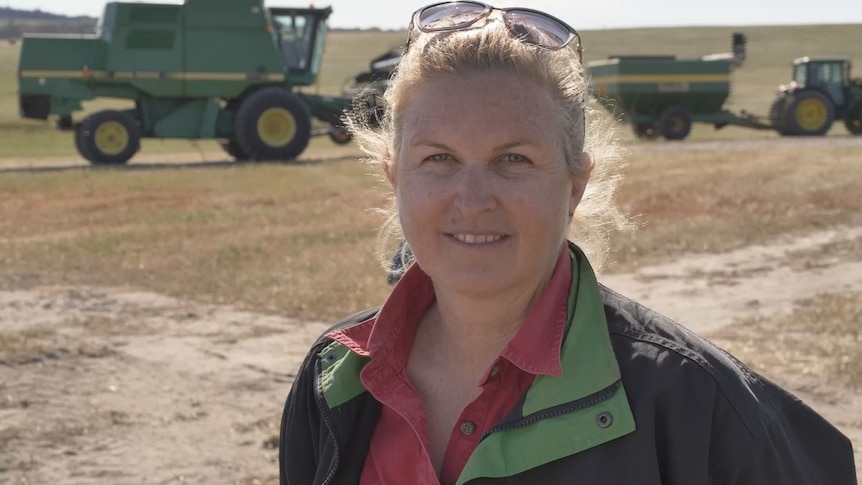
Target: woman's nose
x,y
475,191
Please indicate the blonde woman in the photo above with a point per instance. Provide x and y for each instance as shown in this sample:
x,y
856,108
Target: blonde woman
x,y
497,357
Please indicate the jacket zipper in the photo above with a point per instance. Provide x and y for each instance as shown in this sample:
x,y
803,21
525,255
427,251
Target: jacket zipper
x,y
578,405
324,413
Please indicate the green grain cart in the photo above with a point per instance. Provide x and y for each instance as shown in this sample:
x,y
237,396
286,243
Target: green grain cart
x,y
203,69
663,95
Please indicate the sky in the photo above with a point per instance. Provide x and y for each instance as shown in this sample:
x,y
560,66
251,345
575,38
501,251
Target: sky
x,y
580,14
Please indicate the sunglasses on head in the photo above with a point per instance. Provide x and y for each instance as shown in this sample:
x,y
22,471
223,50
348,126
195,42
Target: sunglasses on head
x,y
528,25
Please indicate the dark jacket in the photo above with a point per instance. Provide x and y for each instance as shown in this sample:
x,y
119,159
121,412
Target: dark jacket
x,y
642,400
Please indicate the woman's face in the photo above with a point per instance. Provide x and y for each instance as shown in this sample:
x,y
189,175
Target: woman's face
x,y
481,183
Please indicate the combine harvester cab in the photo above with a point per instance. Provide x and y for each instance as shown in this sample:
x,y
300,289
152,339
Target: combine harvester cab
x,y
663,95
205,69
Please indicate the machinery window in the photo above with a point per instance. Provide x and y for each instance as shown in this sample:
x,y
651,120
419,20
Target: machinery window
x,y
295,35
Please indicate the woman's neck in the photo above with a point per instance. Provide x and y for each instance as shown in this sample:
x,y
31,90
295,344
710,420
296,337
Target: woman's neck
x,y
471,332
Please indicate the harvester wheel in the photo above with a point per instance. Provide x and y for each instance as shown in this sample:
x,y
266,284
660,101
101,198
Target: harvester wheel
x,y
108,138
776,115
273,124
674,123
339,135
809,113
231,147
854,123
646,130
79,145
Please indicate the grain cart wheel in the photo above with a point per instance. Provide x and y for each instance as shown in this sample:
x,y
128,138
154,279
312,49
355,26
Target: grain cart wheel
x,y
231,147
674,123
273,124
854,123
340,136
646,130
108,137
809,113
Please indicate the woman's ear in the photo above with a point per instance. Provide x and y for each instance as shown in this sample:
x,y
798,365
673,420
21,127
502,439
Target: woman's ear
x,y
389,171
579,181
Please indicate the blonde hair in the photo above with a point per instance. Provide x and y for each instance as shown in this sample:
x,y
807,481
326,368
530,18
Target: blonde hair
x,y
492,49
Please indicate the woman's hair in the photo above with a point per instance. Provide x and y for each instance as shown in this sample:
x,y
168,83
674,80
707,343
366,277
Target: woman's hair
x,y
493,50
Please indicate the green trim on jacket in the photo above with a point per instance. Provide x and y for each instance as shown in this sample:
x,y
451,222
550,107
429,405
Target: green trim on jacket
x,y
559,416
590,376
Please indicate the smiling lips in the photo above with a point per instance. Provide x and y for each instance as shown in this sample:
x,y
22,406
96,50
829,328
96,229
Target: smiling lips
x,y
478,238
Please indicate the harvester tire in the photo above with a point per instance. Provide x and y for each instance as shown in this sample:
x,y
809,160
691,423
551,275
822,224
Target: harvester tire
x,y
82,150
777,117
108,137
231,147
809,113
273,124
854,123
674,123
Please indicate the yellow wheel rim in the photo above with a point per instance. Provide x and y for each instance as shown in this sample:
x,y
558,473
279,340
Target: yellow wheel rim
x,y
276,127
811,114
111,138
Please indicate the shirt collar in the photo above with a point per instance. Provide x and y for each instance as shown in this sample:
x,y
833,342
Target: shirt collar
x,y
535,348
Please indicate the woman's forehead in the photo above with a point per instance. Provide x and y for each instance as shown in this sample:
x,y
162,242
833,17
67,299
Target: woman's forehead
x,y
495,101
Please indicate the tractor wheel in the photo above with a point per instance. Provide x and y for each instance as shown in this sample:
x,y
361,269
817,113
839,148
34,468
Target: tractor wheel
x,y
340,136
809,113
108,138
854,123
273,124
646,131
231,147
674,123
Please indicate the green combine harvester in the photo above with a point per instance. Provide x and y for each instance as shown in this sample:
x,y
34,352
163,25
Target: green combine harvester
x,y
663,95
206,69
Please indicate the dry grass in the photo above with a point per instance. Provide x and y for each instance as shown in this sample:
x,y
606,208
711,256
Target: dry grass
x,y
717,201
821,339
291,238
298,238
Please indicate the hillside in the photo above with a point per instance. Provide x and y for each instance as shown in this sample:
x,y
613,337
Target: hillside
x,y
14,23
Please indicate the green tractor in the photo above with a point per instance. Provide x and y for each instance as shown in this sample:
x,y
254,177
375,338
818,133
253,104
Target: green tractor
x,y
820,93
204,69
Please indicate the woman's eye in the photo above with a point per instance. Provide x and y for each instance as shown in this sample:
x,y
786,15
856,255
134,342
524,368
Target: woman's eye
x,y
515,158
439,157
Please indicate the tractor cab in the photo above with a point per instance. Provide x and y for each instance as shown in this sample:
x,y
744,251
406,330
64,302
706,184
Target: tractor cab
x,y
300,34
820,93
831,76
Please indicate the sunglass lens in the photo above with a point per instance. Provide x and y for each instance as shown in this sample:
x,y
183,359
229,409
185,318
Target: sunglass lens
x,y
448,16
537,29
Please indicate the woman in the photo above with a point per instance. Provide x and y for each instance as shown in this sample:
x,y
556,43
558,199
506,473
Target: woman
x,y
498,357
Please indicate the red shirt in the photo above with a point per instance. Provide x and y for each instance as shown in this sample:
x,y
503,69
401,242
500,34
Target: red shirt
x,y
399,449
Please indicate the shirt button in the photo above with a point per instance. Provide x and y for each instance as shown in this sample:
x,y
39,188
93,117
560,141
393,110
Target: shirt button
x,y
495,370
468,428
